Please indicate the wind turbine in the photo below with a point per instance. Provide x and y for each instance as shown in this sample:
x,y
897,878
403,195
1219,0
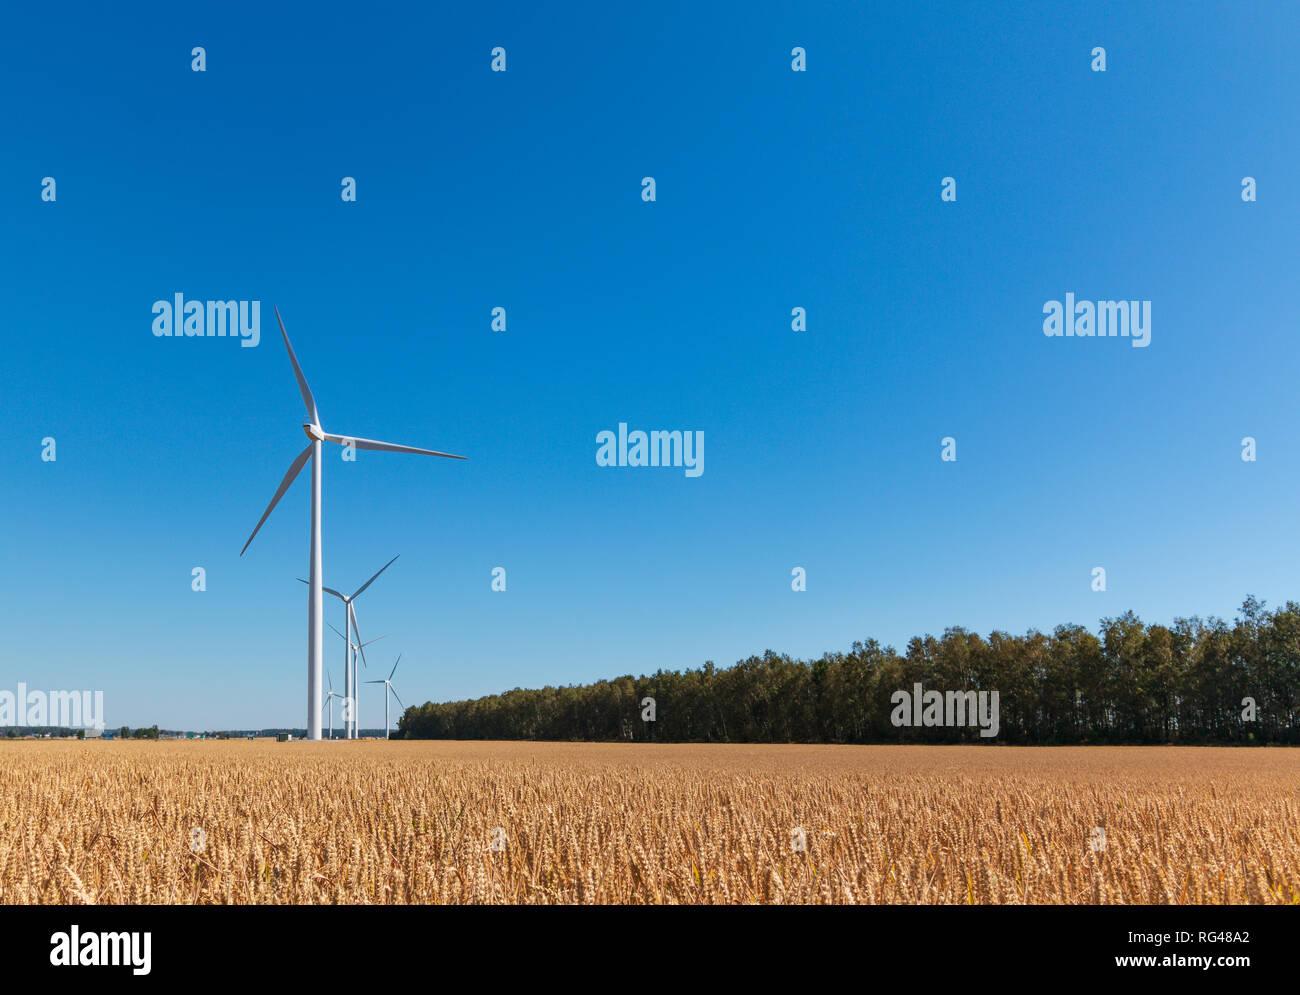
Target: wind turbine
x,y
349,660
355,647
329,701
387,682
317,435
350,652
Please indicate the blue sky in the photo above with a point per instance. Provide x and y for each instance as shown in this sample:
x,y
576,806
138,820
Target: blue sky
x,y
522,190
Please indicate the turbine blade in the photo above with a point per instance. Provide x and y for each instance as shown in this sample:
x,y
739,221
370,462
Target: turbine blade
x,y
294,468
372,682
336,631
327,590
399,700
394,670
377,638
307,399
331,682
387,447
361,647
372,579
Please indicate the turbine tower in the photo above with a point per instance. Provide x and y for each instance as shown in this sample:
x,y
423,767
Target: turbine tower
x,y
317,435
349,659
387,682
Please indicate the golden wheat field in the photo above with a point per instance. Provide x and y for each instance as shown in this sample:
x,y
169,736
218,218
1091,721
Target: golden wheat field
x,y
454,822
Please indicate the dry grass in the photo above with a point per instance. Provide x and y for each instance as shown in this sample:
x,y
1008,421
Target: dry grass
x,y
636,823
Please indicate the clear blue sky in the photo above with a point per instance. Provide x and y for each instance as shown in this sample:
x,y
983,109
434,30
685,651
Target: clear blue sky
x,y
522,190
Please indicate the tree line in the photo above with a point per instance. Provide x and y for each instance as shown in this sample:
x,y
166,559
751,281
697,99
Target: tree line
x,y
1197,681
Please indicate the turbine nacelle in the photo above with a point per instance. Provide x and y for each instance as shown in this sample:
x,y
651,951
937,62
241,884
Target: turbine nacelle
x,y
314,432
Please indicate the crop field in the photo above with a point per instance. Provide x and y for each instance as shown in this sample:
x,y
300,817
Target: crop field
x,y
457,822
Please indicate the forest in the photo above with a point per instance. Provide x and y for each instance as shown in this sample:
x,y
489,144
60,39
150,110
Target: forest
x,y
1195,682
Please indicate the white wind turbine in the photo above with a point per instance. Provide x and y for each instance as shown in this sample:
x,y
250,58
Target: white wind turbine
x,y
350,651
317,435
387,682
362,646
350,623
329,701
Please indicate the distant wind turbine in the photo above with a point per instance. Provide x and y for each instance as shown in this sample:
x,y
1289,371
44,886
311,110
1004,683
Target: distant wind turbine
x,y
317,435
387,682
356,648
329,701
349,659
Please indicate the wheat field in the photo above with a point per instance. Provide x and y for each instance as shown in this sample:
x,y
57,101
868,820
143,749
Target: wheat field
x,y
454,822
